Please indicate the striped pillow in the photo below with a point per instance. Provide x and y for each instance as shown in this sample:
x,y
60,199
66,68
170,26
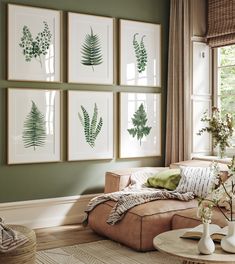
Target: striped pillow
x,y
198,180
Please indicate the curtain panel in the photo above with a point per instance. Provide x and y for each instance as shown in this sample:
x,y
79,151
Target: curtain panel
x,y
221,23
178,84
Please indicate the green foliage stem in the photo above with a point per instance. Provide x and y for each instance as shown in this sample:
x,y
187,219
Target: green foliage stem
x,y
139,121
34,133
140,53
91,50
91,128
35,48
221,128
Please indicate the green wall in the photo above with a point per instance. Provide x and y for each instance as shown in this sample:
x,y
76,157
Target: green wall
x,y
36,181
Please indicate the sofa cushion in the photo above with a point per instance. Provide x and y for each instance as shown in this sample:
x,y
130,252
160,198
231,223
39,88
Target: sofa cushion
x,y
196,179
188,219
167,179
140,224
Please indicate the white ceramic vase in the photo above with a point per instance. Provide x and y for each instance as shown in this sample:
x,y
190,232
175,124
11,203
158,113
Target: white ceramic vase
x,y
206,245
228,242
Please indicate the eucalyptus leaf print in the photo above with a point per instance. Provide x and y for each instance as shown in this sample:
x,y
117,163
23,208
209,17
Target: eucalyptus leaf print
x,y
139,121
140,53
38,47
91,50
91,127
34,133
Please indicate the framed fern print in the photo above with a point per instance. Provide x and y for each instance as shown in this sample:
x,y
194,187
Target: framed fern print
x,y
90,125
90,49
34,44
140,53
140,125
33,125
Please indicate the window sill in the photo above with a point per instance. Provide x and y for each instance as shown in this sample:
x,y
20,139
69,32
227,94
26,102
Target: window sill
x,y
213,158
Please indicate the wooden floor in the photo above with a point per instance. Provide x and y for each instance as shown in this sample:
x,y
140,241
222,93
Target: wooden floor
x,y
62,236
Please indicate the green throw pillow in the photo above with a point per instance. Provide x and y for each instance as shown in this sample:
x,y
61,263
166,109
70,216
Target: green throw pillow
x,y
167,179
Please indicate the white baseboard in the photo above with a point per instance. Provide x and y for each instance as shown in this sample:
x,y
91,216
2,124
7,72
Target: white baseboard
x,y
46,212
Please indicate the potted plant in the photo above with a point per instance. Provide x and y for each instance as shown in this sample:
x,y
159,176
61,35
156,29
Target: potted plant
x,y
221,129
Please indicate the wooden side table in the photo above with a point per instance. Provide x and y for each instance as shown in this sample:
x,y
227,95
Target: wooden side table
x,y
186,249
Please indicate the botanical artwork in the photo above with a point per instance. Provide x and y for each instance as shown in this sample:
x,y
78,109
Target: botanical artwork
x,y
33,125
91,50
140,125
90,125
34,44
140,52
91,128
34,133
34,48
139,121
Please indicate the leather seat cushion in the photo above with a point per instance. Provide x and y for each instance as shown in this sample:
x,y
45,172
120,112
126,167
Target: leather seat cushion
x,y
140,224
189,219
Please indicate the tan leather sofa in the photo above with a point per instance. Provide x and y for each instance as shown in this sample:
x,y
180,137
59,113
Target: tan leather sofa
x,y
143,222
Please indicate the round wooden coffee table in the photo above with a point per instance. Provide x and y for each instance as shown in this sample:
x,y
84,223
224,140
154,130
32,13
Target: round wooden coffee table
x,y
186,249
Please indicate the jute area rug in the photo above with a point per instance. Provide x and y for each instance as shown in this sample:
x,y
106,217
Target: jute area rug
x,y
101,252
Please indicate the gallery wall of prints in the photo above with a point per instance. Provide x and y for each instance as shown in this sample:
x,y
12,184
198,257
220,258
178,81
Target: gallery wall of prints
x,y
34,115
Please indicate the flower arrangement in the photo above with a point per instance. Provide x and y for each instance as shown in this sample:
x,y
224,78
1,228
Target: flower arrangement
x,y
220,128
222,195
205,211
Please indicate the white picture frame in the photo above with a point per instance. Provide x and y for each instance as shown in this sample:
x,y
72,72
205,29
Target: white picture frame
x,y
34,44
140,53
147,108
82,67
92,145
34,120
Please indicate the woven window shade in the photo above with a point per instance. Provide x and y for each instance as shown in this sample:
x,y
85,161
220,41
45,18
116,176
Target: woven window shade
x,y
221,23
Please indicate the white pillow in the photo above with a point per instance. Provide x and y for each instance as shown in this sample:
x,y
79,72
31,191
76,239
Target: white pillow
x,y
198,180
140,177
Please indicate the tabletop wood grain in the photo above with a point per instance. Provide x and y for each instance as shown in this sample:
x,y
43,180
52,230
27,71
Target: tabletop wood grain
x,y
186,249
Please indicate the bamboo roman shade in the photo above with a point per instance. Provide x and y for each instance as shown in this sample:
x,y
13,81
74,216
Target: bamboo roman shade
x,y
221,23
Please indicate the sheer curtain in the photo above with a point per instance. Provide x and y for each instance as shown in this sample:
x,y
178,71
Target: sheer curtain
x,y
178,89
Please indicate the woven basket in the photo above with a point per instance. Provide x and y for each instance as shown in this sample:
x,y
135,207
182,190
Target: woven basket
x,y
24,254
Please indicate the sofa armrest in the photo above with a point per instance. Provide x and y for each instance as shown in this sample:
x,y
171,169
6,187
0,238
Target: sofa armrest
x,y
198,163
117,180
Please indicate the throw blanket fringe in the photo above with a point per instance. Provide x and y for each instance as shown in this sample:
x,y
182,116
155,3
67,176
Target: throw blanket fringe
x,y
126,200
10,239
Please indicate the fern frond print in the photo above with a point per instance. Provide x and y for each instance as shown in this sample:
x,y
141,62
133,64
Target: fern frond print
x,y
140,53
139,121
91,128
35,48
91,50
34,133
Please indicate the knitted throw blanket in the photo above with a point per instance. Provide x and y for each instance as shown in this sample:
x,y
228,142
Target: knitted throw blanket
x,y
9,238
131,197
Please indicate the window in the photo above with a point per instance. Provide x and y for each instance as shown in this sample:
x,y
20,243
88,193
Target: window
x,y
225,72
